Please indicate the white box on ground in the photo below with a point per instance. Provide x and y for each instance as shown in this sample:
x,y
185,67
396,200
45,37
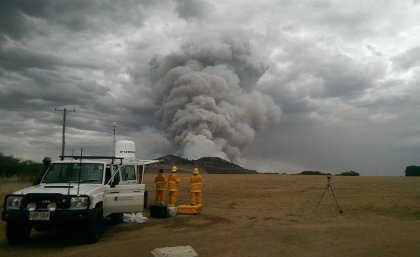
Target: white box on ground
x,y
176,251
172,211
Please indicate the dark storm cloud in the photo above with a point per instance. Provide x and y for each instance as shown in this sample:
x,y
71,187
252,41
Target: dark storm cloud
x,y
12,22
19,58
17,16
407,60
192,8
20,18
306,72
49,77
51,56
41,88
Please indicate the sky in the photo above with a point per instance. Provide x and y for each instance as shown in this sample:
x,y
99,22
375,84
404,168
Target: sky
x,y
272,85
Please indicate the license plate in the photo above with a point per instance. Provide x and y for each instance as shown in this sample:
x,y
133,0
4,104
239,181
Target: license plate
x,y
39,216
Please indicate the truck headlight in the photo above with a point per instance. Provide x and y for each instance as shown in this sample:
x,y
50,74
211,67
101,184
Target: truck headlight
x,y
13,202
79,202
51,206
31,206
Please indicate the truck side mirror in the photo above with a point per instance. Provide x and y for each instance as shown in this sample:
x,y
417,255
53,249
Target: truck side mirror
x,y
115,181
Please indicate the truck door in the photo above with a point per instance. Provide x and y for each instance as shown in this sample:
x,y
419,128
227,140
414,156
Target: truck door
x,y
124,197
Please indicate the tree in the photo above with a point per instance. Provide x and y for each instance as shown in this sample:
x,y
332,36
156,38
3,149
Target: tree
x,y
11,166
412,171
46,161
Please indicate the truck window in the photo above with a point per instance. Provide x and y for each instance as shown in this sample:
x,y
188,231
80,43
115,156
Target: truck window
x,y
128,172
74,172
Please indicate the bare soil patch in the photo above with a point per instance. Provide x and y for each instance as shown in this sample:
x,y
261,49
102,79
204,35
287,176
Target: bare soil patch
x,y
263,215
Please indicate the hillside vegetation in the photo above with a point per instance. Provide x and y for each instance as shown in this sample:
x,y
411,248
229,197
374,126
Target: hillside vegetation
x,y
211,165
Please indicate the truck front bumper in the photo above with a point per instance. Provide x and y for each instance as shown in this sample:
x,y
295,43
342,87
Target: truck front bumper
x,y
56,218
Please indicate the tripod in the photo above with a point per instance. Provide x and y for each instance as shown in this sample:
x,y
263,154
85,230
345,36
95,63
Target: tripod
x,y
328,187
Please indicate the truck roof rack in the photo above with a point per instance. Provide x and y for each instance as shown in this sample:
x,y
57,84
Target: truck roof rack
x,y
112,158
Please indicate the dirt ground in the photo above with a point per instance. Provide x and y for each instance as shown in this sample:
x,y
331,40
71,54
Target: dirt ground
x,y
264,215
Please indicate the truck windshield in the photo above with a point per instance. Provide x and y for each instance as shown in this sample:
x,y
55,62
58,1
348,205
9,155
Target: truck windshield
x,y
90,173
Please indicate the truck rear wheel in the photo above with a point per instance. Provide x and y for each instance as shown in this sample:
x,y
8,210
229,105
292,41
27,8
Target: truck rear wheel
x,y
17,233
94,228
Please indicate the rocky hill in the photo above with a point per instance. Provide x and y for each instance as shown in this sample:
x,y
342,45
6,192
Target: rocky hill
x,y
211,165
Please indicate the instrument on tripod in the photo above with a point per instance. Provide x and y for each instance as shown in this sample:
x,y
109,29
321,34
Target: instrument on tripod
x,y
328,187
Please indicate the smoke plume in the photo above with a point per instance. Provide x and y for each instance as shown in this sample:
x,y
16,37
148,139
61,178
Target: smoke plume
x,y
209,103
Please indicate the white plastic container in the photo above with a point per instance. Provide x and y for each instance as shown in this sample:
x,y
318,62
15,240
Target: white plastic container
x,y
172,211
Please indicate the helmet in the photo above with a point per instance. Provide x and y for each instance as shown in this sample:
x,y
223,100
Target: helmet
x,y
195,171
173,169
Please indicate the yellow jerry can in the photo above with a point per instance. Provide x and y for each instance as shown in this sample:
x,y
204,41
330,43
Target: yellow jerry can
x,y
189,209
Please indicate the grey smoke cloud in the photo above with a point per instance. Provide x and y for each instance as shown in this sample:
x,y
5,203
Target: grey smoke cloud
x,y
208,99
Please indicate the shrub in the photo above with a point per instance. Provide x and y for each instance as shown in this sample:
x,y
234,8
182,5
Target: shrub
x,y
412,171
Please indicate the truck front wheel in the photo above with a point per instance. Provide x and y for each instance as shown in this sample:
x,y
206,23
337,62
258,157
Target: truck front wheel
x,y
17,233
93,229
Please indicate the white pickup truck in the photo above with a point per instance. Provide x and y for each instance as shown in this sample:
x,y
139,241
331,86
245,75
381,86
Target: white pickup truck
x,y
78,191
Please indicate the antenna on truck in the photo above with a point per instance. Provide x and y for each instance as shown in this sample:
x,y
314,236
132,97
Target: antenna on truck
x,y
80,171
114,125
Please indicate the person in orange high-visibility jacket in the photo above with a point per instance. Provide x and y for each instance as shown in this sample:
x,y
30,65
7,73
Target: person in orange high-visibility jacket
x,y
160,181
195,187
173,182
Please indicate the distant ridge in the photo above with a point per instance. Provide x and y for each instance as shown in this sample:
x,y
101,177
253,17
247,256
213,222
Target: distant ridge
x,y
310,172
212,165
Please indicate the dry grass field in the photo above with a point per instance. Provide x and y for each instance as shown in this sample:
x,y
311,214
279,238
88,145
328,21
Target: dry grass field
x,y
263,215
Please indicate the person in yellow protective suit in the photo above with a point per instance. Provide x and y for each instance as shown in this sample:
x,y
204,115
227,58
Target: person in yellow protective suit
x,y
195,187
160,181
173,182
